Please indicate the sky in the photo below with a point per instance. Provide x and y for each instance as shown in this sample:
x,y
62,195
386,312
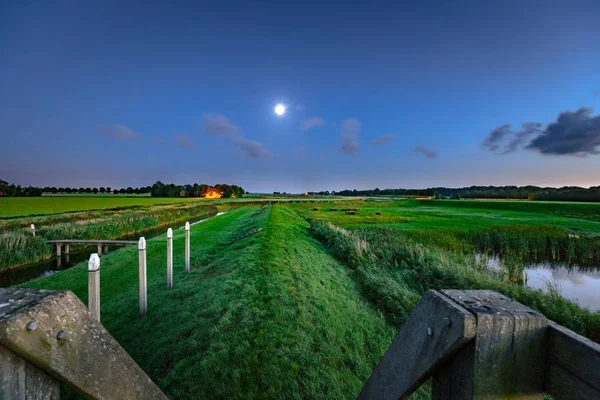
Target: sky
x,y
388,94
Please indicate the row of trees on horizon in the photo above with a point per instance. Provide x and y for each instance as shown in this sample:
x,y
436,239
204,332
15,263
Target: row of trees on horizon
x,y
565,193
159,189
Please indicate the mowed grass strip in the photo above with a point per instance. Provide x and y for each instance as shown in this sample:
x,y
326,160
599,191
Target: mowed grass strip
x,y
270,316
11,207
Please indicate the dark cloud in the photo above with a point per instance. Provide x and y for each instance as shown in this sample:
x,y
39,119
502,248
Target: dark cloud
x,y
252,148
425,151
349,136
573,133
519,138
184,140
380,140
311,123
497,136
120,132
218,125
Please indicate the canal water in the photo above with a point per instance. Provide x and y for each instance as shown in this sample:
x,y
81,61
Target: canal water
x,y
580,284
54,265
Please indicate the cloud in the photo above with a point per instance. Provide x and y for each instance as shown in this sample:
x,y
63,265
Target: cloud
x,y
218,125
492,142
311,123
573,133
120,132
349,136
159,140
381,140
184,140
425,151
252,148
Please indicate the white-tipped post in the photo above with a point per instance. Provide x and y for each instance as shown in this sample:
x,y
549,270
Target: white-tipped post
x,y
94,286
33,229
187,247
142,273
169,258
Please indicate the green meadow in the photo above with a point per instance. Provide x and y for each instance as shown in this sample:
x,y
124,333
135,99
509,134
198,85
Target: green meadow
x,y
306,307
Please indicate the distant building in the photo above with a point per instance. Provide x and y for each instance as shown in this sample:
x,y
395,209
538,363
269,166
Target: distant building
x,y
183,193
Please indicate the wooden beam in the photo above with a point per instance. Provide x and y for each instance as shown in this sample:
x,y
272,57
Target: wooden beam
x,y
573,365
94,241
436,329
507,358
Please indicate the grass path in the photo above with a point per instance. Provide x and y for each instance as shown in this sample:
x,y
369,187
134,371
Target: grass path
x,y
270,316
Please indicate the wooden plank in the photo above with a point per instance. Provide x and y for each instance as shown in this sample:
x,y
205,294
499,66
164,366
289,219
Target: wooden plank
x,y
169,258
574,360
21,380
424,342
84,241
84,356
563,385
507,358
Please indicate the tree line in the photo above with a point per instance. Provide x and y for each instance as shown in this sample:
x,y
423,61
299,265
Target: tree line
x,y
565,193
159,189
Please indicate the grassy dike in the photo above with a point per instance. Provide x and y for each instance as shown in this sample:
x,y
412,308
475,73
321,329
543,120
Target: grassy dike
x,y
269,316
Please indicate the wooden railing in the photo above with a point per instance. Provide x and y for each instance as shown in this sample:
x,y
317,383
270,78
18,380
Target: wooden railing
x,y
482,345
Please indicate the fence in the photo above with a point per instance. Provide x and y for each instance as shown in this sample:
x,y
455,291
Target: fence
x,y
479,344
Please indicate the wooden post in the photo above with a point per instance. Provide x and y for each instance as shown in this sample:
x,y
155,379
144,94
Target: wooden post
x,y
99,250
66,249
105,251
142,273
507,357
94,286
58,250
169,258
187,247
33,229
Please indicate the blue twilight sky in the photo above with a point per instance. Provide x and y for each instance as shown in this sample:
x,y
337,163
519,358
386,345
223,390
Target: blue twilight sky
x,y
378,94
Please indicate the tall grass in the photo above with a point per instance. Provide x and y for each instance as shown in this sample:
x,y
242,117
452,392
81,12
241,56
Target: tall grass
x,y
394,272
18,246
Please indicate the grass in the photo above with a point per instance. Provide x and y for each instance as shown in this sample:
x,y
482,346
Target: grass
x,y
306,307
11,207
269,316
19,247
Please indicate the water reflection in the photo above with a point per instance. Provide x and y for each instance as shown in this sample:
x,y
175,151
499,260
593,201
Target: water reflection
x,y
572,282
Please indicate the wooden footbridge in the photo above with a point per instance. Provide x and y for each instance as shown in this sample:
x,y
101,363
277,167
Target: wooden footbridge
x,y
102,244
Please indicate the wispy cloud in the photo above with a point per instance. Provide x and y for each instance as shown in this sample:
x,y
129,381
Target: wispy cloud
x,y
311,123
120,132
184,140
573,133
252,148
218,125
429,153
349,136
381,140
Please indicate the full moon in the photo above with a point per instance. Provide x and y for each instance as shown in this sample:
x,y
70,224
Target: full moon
x,y
280,109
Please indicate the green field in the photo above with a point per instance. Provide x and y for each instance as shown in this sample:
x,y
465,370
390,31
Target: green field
x,y
11,207
305,308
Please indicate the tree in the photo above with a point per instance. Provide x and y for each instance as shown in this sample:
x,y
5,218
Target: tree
x,y
108,190
129,190
95,190
102,190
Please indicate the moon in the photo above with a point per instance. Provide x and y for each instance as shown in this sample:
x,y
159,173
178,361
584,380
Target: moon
x,y
280,109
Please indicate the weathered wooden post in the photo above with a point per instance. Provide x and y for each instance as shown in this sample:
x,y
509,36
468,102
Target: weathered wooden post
x,y
94,286
66,249
105,251
58,250
33,229
169,258
142,273
99,250
187,247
